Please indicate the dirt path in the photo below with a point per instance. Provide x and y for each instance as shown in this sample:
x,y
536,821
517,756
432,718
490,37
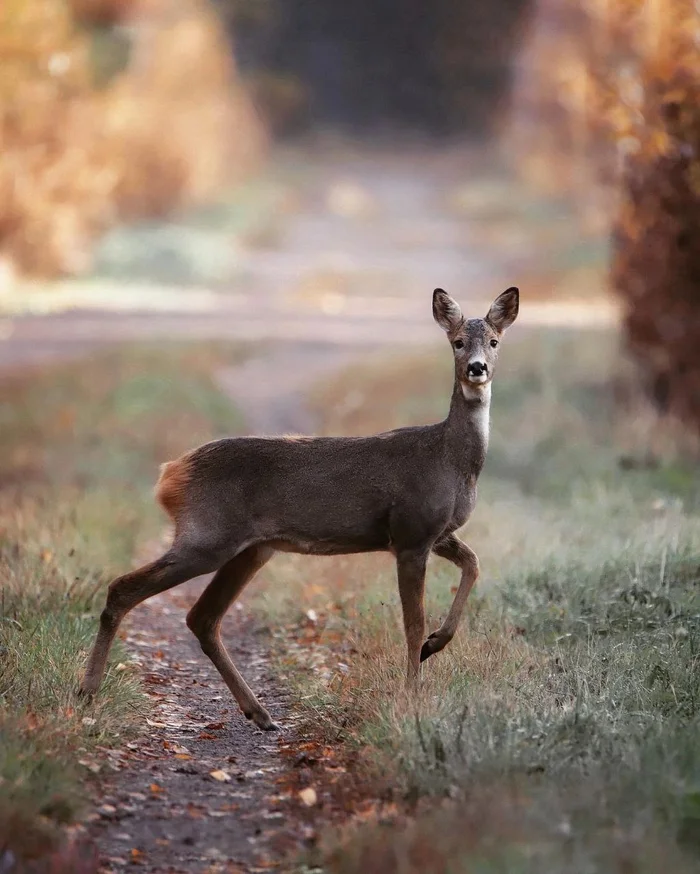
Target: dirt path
x,y
197,790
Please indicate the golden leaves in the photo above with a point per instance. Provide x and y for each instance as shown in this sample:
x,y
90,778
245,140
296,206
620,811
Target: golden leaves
x,y
75,158
597,94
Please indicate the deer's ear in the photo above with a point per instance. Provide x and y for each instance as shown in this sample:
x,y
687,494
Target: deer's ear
x,y
446,311
504,310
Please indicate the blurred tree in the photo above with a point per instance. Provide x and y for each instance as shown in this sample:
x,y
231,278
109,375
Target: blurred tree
x,y
50,202
475,46
373,64
609,107
75,157
656,265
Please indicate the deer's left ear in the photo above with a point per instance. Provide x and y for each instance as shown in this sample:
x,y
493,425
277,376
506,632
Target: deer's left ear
x,y
504,310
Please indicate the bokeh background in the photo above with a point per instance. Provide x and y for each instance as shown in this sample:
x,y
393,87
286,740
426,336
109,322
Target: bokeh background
x,y
553,144
221,217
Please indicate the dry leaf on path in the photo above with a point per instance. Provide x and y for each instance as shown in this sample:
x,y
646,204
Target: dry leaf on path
x,y
221,776
176,748
308,796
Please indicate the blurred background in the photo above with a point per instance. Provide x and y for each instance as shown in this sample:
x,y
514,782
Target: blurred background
x,y
339,160
228,216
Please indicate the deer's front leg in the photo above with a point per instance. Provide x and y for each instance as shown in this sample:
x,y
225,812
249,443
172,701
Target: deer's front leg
x,y
411,573
460,554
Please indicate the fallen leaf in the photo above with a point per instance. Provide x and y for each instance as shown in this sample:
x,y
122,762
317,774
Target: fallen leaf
x,y
215,726
221,776
156,789
308,796
178,749
304,760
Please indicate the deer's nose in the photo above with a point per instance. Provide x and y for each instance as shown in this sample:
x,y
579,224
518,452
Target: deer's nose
x,y
477,368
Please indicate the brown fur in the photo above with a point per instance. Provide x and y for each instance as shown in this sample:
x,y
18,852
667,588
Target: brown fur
x,y
171,488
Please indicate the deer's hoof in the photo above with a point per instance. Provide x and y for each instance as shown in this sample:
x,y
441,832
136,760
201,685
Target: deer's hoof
x,y
425,651
84,691
433,644
264,721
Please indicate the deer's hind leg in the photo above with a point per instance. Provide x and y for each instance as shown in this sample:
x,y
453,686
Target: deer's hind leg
x,y
179,564
205,617
458,553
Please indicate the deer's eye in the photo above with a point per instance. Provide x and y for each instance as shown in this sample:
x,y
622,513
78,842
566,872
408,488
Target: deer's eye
x,y
494,343
458,344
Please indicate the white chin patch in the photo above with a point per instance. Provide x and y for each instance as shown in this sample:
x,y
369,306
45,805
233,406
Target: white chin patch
x,y
478,380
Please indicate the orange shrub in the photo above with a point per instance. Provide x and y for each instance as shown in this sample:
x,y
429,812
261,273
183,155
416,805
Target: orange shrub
x,y
609,107
656,263
580,87
49,205
166,132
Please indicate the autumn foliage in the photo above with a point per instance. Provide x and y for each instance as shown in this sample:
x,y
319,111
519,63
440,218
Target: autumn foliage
x,y
77,154
608,106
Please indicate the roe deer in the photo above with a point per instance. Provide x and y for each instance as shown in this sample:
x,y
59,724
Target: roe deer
x,y
236,501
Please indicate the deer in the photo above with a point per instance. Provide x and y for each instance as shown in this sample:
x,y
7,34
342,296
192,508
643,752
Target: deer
x,y
236,501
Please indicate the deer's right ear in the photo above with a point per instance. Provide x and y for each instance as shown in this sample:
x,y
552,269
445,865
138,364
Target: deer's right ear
x,y
446,311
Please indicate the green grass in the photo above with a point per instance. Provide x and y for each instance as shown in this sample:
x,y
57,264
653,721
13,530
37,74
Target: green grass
x,y
80,446
560,731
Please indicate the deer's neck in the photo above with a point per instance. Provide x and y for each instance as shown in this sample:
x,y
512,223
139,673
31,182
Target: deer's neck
x,y
467,427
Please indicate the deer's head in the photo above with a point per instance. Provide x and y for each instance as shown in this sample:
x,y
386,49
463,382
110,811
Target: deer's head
x,y
475,342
